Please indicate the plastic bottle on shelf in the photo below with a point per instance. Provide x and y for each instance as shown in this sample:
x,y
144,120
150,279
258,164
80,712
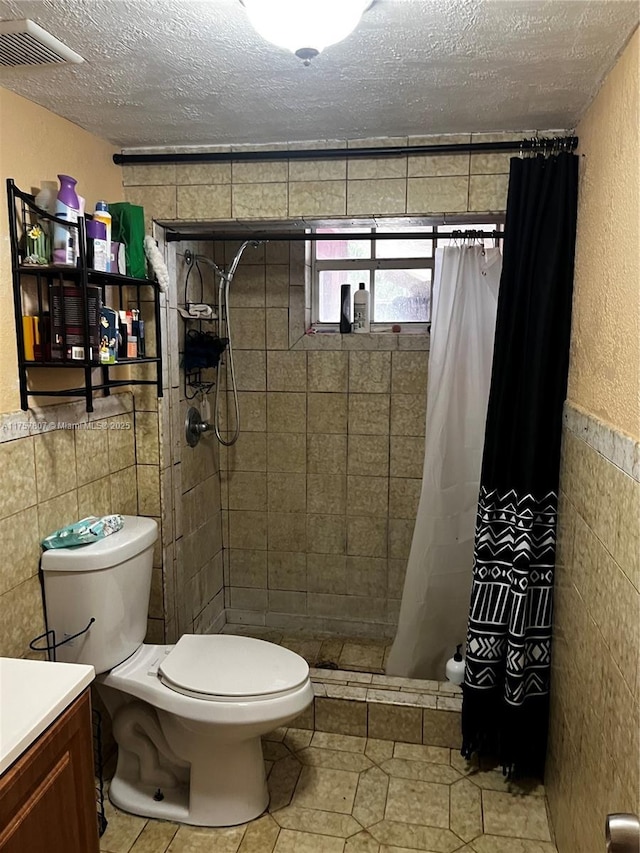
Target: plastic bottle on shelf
x,y
65,239
101,214
46,198
345,308
361,319
455,667
97,257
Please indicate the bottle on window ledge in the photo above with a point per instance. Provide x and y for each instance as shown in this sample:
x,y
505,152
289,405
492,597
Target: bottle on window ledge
x,y
345,308
361,317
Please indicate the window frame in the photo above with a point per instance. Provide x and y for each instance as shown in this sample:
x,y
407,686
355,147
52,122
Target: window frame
x,y
374,263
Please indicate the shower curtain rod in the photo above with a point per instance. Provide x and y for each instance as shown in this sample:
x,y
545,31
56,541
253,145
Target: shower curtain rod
x,y
535,144
290,236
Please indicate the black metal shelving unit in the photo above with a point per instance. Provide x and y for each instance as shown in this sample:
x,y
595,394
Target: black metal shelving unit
x,y
41,279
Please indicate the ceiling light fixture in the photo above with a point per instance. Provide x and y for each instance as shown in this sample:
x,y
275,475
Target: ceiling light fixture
x,y
305,27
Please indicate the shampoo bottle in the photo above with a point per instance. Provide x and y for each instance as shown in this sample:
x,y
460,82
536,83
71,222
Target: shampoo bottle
x,y
361,322
101,214
455,667
65,239
345,308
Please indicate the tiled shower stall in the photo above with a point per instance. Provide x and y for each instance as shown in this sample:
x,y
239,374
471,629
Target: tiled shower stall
x,y
305,523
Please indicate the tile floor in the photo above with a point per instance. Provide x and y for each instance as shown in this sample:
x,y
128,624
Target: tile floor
x,y
335,793
345,653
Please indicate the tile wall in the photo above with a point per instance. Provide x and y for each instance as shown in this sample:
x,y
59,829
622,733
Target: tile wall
x,y
320,492
244,191
77,465
136,471
183,483
318,497
304,547
592,765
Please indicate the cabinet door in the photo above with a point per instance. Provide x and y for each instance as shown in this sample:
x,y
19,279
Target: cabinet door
x,y
47,798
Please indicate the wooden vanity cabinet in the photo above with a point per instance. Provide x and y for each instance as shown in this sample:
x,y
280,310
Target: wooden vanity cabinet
x,y
47,797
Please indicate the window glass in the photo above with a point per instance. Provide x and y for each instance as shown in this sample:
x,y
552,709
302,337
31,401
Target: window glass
x,y
329,282
342,249
404,248
398,273
402,296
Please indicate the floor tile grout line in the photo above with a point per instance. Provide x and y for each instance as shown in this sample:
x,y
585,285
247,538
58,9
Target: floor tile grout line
x,y
291,749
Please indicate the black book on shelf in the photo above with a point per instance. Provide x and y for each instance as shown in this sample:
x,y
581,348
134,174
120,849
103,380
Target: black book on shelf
x,y
67,322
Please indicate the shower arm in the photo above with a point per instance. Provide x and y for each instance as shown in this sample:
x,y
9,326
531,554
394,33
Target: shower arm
x,y
190,259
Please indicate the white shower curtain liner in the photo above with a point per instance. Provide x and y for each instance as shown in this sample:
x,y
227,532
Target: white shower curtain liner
x,y
435,601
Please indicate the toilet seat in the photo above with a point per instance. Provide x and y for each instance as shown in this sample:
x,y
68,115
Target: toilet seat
x,y
228,668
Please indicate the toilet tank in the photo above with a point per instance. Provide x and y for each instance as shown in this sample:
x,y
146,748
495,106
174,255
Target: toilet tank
x,y
108,581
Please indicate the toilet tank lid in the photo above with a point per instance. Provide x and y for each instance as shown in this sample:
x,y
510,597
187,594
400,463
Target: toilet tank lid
x,y
137,534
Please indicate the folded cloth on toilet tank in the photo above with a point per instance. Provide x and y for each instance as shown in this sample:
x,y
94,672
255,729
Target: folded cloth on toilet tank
x,y
83,532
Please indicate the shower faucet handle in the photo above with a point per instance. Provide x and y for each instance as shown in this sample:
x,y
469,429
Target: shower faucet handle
x,y
195,426
623,833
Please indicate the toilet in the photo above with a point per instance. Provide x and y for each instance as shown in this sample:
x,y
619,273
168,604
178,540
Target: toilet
x,y
188,717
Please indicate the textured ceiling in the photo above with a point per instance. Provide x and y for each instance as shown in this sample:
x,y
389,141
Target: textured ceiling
x,y
192,72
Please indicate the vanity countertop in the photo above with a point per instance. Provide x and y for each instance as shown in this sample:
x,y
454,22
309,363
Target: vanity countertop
x,y
32,694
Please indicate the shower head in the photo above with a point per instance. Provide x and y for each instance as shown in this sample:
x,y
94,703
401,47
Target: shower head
x,y
236,258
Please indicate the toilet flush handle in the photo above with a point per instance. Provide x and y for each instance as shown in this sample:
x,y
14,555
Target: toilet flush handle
x,y
623,833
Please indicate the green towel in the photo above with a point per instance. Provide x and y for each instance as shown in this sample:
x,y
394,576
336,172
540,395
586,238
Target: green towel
x,y
127,226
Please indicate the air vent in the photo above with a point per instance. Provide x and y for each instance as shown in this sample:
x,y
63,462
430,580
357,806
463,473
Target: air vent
x,y
25,43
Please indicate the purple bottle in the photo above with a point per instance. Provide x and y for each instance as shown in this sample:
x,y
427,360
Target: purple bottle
x,y
65,240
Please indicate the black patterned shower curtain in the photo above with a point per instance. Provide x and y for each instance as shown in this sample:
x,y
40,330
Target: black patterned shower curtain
x,y
506,690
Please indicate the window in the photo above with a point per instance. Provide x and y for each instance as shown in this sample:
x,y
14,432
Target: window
x,y
397,273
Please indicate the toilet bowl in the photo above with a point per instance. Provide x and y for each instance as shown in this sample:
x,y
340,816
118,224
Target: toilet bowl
x,y
188,717
188,720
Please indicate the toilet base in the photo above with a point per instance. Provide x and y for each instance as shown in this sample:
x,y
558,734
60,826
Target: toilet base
x,y
136,798
227,786
205,755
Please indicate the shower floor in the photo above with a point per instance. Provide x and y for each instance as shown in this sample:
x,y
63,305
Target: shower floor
x,y
354,654
353,668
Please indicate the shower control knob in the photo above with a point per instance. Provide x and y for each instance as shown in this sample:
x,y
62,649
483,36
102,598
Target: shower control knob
x,y
194,427
623,833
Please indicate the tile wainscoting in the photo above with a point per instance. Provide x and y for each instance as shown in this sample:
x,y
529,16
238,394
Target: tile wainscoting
x,y
592,766
59,464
